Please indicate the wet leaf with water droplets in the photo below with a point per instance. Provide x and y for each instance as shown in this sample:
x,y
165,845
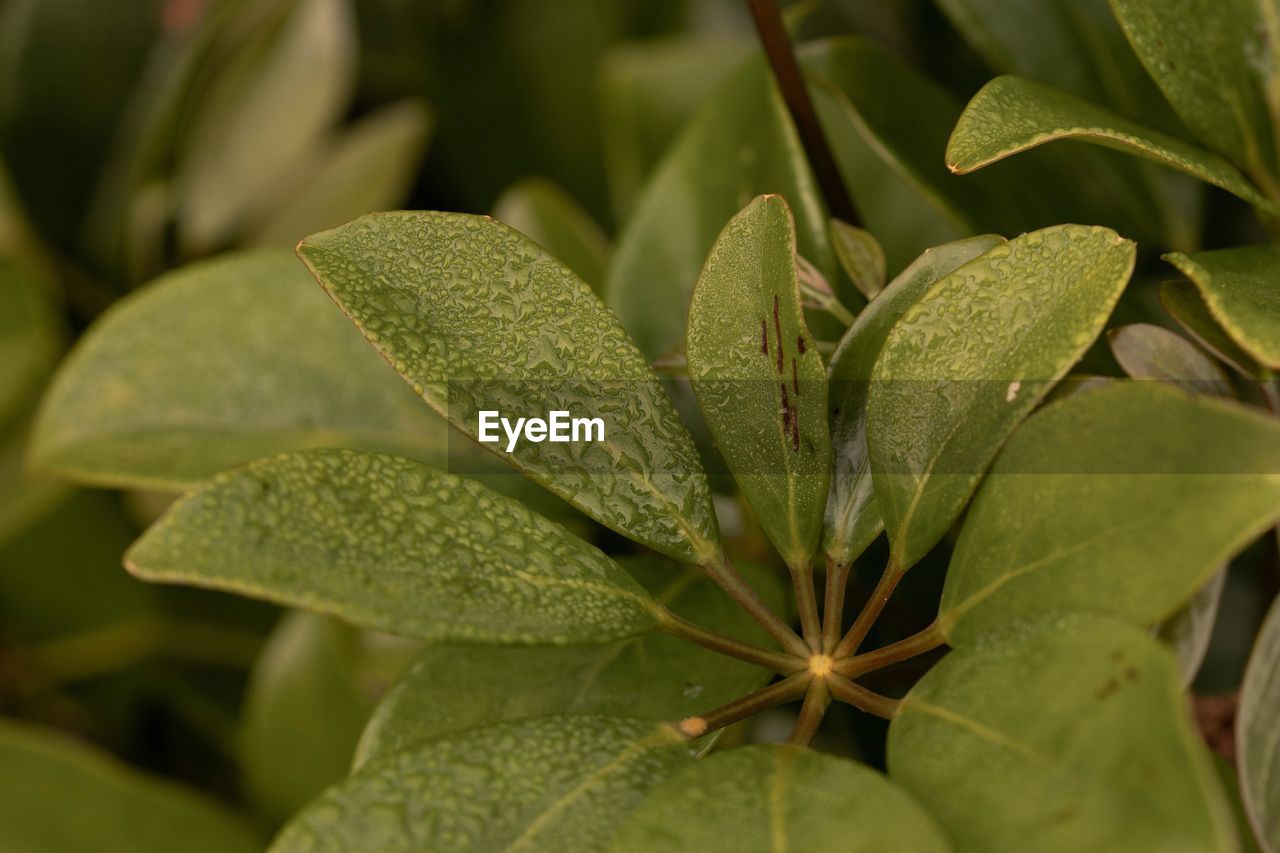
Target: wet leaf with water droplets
x,y
217,364
973,357
1112,501
770,798
476,316
758,376
550,783
394,545
852,517
1069,731
656,676
1257,724
545,213
114,807
1242,289
1185,305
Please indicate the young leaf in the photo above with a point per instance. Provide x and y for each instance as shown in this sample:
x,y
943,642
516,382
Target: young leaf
x,y
1215,62
852,518
475,316
1189,630
217,364
370,166
759,378
550,783
773,798
1071,732
1239,286
549,216
394,545
860,256
1112,501
741,144
1257,722
1185,305
1010,114
115,808
1151,352
970,359
655,676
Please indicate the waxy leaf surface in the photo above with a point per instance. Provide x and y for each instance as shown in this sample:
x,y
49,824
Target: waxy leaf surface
x,y
760,381
1242,289
394,545
475,316
970,359
551,783
1113,501
775,798
1184,303
549,216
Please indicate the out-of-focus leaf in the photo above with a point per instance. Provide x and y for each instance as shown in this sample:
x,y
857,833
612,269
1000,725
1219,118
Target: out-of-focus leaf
x,y
772,798
860,256
116,809
1112,501
216,364
1151,352
1257,727
30,338
758,376
741,144
550,783
648,91
370,166
24,496
1189,630
268,109
1242,289
477,317
1185,304
309,696
393,545
550,217
970,359
1011,114
1069,734
852,516
1216,62
655,676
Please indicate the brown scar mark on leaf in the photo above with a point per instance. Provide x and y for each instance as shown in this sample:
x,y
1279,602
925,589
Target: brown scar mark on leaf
x,y
1116,655
777,329
764,337
1108,687
800,345
1130,674
790,418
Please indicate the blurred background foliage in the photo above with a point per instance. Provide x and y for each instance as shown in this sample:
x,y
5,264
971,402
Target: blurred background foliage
x,y
139,135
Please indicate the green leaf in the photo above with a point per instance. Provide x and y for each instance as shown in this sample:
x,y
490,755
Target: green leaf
x,y
1011,114
549,216
393,545
1239,286
1151,352
1189,630
648,91
860,257
370,166
268,108
1257,722
477,317
1185,305
758,376
30,338
113,809
25,496
774,798
654,676
853,518
201,371
970,359
1215,62
550,783
741,144
308,698
1072,732
1112,501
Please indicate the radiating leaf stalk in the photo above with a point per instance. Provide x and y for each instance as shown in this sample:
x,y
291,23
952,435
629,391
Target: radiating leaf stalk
x,y
862,625
816,699
917,644
727,577
787,690
678,626
862,698
833,603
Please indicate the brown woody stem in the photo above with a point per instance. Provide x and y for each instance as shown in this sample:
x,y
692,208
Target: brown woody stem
x,y
782,59
816,700
862,698
870,612
789,688
775,661
833,604
724,573
917,644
